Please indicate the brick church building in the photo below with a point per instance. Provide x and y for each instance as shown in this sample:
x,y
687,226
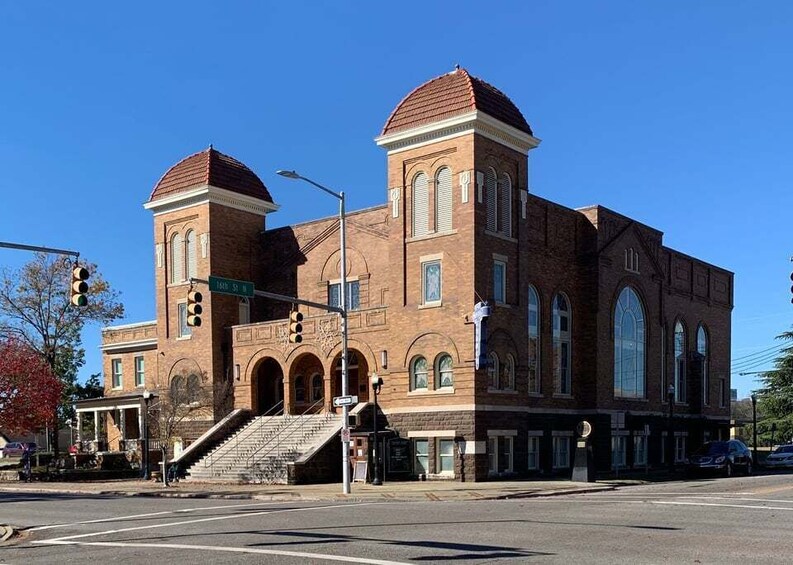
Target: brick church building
x,y
590,317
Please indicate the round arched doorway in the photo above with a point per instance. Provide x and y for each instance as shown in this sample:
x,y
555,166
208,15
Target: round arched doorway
x,y
269,388
357,371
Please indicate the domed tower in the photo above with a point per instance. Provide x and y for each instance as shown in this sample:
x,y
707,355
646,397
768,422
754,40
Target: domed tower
x,y
457,184
209,211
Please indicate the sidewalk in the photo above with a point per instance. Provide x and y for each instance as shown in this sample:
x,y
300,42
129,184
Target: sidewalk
x,y
392,491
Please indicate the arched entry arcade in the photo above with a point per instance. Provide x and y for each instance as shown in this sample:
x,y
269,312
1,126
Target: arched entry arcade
x,y
307,384
268,387
357,370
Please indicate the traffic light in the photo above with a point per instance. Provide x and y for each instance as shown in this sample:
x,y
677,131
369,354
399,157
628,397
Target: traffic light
x,y
295,327
79,286
194,308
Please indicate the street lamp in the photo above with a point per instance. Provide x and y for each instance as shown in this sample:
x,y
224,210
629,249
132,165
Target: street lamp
x,y
670,397
345,428
145,443
377,384
754,430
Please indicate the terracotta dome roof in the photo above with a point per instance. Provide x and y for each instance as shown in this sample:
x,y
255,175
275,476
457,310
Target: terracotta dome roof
x,y
450,95
210,167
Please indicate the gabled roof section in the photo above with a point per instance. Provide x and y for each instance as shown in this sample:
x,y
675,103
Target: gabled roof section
x,y
453,94
210,168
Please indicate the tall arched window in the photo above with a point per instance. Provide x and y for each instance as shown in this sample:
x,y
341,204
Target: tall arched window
x,y
193,389
190,252
534,341
629,345
680,362
443,200
562,345
316,387
418,374
491,196
492,370
177,258
508,373
505,204
421,196
444,376
702,349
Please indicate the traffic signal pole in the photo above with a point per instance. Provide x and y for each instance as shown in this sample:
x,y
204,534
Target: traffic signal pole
x,y
9,245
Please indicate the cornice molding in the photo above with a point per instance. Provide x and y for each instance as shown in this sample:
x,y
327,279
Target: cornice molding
x,y
208,194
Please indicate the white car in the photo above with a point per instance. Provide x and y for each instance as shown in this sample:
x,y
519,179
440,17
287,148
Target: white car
x,y
780,458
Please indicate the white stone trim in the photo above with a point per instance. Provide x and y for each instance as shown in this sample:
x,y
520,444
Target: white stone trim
x,y
212,195
126,346
129,326
502,433
419,434
464,124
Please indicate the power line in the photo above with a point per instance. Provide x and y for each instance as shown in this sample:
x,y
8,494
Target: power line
x,y
774,347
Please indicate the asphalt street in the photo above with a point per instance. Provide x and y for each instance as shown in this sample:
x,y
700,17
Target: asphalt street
x,y
736,520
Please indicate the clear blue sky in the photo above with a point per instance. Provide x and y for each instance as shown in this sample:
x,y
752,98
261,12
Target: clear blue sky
x,y
675,113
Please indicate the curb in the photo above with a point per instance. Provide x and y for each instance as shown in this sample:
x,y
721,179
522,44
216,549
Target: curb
x,y
5,532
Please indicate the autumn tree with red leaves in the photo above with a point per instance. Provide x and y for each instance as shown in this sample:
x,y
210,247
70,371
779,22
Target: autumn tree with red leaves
x,y
29,391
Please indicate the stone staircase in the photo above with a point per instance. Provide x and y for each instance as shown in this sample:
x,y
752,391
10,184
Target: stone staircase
x,y
260,451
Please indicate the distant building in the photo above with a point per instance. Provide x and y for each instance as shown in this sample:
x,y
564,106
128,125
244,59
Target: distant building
x,y
591,316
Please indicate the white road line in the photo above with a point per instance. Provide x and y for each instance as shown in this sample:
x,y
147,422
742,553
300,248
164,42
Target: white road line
x,y
150,514
198,521
303,554
788,508
789,501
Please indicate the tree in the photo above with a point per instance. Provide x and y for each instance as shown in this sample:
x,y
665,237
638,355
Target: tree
x,y
36,311
776,396
29,391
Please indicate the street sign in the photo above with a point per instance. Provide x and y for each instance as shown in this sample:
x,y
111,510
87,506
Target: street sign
x,y
230,286
345,435
345,400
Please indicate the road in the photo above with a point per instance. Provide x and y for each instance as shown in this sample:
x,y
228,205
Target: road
x,y
741,519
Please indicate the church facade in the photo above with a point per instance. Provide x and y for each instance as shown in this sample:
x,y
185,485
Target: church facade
x,y
498,320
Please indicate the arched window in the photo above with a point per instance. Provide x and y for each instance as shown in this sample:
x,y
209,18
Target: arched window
x,y
190,252
562,345
508,374
177,258
443,200
534,340
680,362
629,345
491,196
177,390
418,374
300,389
193,389
421,197
702,349
505,205
492,370
444,376
316,388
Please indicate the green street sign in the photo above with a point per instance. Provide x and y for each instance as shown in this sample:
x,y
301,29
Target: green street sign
x,y
230,286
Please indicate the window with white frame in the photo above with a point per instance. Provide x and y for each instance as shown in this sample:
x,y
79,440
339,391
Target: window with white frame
x,y
140,371
702,349
680,362
421,197
492,370
491,194
117,373
639,450
431,282
177,258
443,371
534,341
184,329
190,252
445,463
419,371
561,452
618,451
680,448
492,455
508,373
562,345
352,298
421,456
505,205
499,281
534,453
507,453
443,200
629,345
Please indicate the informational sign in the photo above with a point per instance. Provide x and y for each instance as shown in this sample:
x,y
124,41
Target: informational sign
x,y
345,435
344,400
399,455
481,313
230,286
360,471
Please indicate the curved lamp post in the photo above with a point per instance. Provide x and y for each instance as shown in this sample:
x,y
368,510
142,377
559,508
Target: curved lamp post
x,y
345,433
377,384
145,441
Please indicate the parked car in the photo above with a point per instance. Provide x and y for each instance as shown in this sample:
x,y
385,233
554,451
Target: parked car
x,y
780,458
13,449
723,457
